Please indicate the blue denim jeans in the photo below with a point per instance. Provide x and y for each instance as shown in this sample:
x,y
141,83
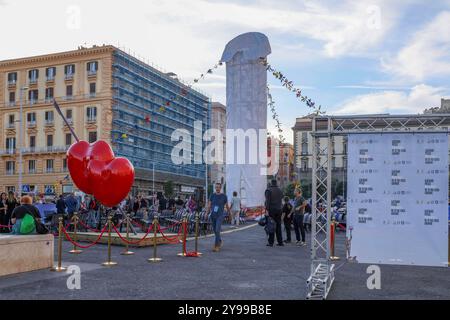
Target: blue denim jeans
x,y
217,227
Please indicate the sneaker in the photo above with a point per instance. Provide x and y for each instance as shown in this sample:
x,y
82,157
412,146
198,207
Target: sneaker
x,y
216,249
298,242
303,244
287,241
280,244
269,245
221,244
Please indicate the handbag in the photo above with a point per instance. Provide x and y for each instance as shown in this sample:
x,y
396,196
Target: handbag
x,y
40,227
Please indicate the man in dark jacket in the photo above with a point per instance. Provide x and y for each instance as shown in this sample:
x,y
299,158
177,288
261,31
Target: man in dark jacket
x,y
274,197
61,206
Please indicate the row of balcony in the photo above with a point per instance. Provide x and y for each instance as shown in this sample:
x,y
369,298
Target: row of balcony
x,y
13,151
49,100
46,170
67,77
49,123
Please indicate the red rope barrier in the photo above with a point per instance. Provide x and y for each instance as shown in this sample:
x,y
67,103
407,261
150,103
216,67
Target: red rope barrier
x,y
172,240
81,246
87,227
133,242
3,226
171,226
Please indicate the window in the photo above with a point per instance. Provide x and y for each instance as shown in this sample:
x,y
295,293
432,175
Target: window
x,y
31,119
12,78
69,70
50,140
32,142
10,167
92,67
33,75
91,114
12,97
48,117
69,91
305,164
68,139
49,165
304,148
10,188
33,96
92,89
50,73
333,163
344,163
11,121
69,115
32,166
11,144
92,136
64,165
48,94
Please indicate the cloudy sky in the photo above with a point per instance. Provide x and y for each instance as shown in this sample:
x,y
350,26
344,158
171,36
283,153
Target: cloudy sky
x,y
351,57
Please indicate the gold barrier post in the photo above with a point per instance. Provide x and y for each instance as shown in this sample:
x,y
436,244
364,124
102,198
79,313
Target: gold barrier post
x,y
183,225
75,225
197,221
155,229
333,240
59,267
109,263
127,252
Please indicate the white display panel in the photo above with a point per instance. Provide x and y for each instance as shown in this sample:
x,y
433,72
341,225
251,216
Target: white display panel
x,y
398,198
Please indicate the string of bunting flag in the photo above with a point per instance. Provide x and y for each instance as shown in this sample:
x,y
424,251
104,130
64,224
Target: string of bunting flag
x,y
271,105
285,82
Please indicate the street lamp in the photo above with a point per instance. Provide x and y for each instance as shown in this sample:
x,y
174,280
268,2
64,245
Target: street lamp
x,y
22,90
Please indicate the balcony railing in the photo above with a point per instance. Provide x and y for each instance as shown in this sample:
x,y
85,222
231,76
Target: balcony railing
x,y
12,82
9,172
50,78
91,119
68,76
11,126
31,124
12,104
46,149
49,170
32,81
49,123
92,73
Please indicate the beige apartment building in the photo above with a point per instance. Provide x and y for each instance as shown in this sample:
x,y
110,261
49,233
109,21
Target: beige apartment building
x,y
80,81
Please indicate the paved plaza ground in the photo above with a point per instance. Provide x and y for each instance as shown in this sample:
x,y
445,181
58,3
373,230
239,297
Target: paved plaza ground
x,y
244,269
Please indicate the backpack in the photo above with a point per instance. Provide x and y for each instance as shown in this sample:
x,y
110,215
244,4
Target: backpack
x,y
27,225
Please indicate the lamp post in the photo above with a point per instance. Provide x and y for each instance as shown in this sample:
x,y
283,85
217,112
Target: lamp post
x,y
22,89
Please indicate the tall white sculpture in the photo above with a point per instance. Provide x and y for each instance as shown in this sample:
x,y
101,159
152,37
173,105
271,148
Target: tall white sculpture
x,y
246,109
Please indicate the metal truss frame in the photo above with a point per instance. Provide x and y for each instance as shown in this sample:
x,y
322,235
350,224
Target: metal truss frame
x,y
323,129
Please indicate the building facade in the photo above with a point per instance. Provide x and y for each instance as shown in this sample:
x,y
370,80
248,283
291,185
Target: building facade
x,y
219,122
105,94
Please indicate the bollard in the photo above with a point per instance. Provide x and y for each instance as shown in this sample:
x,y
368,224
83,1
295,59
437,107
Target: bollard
x,y
155,228
127,252
75,225
197,220
59,268
183,225
332,240
109,263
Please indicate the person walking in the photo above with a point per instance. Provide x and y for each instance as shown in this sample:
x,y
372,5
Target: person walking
x,y
287,218
299,214
61,206
273,197
235,209
215,208
3,208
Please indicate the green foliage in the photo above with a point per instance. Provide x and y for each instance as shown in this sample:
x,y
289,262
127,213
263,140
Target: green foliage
x,y
168,189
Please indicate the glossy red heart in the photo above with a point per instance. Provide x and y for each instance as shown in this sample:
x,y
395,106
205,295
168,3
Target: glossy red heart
x,y
95,170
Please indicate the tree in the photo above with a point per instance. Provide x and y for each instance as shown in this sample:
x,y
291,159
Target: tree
x,y
168,188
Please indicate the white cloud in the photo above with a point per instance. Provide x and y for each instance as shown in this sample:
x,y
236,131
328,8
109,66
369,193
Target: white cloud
x,y
426,55
415,101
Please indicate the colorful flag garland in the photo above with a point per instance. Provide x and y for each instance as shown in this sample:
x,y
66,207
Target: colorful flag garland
x,y
290,86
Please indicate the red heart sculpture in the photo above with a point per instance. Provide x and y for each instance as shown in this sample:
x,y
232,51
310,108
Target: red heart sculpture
x,y
95,170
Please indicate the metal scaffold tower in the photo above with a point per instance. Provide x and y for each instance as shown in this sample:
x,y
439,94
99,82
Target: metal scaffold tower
x,y
323,129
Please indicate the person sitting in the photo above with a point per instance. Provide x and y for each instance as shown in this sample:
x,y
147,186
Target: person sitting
x,y
24,216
